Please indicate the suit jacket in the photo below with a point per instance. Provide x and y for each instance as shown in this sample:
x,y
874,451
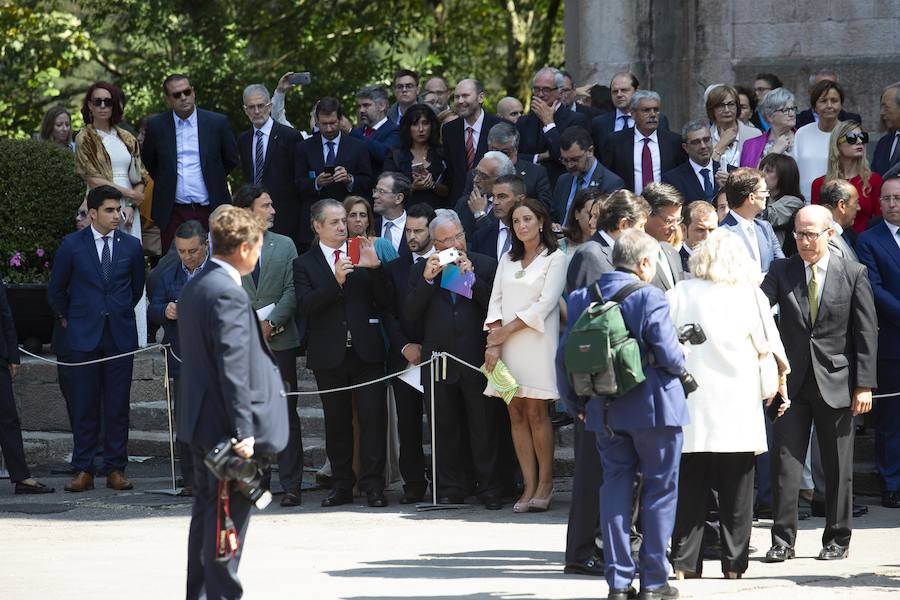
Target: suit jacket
x,y
767,243
881,159
276,286
842,247
79,294
457,328
278,175
618,153
229,385
168,289
590,261
602,178
537,185
9,342
841,346
674,260
604,125
403,249
685,181
379,144
485,235
453,138
400,330
806,117
352,154
332,310
533,140
878,251
218,156
658,401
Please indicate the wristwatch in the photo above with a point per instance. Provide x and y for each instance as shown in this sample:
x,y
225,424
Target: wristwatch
x,y
478,214
271,324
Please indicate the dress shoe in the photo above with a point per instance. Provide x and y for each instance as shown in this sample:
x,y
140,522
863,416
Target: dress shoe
x,y
860,510
628,593
451,500
520,507
540,504
82,482
560,420
412,495
117,481
493,502
292,498
778,554
731,575
890,499
376,499
834,552
592,566
337,498
33,488
665,591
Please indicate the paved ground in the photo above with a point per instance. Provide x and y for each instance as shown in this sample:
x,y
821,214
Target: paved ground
x,y
132,545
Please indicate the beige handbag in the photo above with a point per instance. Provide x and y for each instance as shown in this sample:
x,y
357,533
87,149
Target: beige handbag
x,y
134,172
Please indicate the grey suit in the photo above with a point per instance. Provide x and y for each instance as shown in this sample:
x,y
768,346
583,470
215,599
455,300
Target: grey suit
x,y
838,245
768,246
591,259
673,258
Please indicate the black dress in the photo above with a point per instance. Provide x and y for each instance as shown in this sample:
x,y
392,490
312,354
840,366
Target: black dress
x,y
400,160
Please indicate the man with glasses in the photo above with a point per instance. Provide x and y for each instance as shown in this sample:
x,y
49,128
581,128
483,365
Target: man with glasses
x,y
540,129
663,225
437,93
583,171
188,152
388,197
406,91
475,208
695,178
829,328
747,194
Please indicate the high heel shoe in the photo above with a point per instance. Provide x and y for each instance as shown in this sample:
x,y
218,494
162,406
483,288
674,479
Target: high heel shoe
x,y
521,507
682,575
541,504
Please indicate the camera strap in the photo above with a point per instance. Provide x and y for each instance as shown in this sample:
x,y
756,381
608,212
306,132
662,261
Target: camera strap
x,y
226,538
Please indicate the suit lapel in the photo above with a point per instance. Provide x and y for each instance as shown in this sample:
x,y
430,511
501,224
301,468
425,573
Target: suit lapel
x,y
202,137
797,273
760,236
271,147
92,247
885,238
693,182
169,135
831,291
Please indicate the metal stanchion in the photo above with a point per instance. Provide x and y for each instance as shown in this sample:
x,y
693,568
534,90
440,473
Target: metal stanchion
x,y
174,490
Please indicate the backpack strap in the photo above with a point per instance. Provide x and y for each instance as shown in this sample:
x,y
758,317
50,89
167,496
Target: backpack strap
x,y
594,291
627,290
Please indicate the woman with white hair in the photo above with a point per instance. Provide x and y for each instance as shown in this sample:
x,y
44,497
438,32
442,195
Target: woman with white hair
x,y
727,428
779,108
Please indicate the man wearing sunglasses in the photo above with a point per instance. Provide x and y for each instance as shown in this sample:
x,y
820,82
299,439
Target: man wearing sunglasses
x,y
189,152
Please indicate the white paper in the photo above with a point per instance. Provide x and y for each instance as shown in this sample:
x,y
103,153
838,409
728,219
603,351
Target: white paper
x,y
263,313
413,378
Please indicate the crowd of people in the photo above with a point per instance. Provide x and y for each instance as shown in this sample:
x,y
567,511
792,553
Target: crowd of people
x,y
423,228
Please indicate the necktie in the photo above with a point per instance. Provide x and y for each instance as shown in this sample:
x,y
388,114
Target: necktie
x,y
389,233
419,259
337,256
329,158
895,155
707,184
754,245
580,182
368,132
813,292
646,164
470,147
106,259
507,241
260,158
255,274
624,119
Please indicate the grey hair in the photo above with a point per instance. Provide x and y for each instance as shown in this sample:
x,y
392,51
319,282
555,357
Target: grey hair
x,y
317,210
775,100
896,87
558,77
695,125
443,216
502,133
644,95
834,191
375,93
632,246
256,88
723,258
504,165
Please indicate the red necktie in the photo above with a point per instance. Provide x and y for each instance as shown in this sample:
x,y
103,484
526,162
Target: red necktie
x,y
337,256
470,148
646,164
368,132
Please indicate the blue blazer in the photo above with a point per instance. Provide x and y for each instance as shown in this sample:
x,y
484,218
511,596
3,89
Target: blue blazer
x,y
657,402
878,251
881,159
769,248
686,182
602,178
168,289
380,143
79,294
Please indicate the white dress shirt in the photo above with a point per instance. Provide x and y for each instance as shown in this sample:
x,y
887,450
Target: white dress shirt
x,y
378,125
232,272
476,130
821,273
98,242
638,153
621,123
502,235
266,130
710,172
189,184
416,256
608,238
396,234
328,251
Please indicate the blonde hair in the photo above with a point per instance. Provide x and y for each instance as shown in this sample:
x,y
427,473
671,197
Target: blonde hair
x,y
230,226
722,258
835,171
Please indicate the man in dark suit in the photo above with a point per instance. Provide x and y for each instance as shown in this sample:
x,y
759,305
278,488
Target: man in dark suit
x,y
192,247
406,91
887,152
622,87
879,251
567,97
540,129
641,155
465,139
747,192
406,349
639,431
473,209
492,235
267,153
455,324
388,200
380,134
230,389
188,152
665,217
344,303
695,178
829,329
329,165
583,171
97,279
841,198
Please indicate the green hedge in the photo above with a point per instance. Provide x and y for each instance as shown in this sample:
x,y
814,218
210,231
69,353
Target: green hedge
x,y
39,196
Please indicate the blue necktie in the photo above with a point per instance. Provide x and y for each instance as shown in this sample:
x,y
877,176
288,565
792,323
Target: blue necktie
x,y
260,158
707,184
255,274
329,158
106,259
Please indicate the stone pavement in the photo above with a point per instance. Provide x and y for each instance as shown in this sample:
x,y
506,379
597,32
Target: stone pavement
x,y
132,545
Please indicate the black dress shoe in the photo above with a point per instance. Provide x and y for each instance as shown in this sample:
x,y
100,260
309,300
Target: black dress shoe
x,y
592,566
665,591
337,498
32,488
802,514
291,498
560,420
628,593
451,500
834,552
376,499
778,554
493,502
860,510
890,499
412,496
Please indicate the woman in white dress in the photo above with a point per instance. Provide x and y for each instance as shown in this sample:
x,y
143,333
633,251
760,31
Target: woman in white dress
x,y
523,320
104,154
811,142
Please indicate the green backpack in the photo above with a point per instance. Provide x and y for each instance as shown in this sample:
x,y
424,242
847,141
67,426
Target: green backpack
x,y
601,356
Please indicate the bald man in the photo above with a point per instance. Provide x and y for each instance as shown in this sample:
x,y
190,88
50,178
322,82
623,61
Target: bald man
x,y
510,109
465,138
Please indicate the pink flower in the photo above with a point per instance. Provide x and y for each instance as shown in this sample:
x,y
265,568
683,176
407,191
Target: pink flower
x,y
16,260
39,252
46,265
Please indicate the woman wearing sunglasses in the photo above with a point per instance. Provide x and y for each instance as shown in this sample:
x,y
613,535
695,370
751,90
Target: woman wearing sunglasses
x,y
847,160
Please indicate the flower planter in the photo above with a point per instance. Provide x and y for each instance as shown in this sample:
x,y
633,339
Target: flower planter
x,y
31,314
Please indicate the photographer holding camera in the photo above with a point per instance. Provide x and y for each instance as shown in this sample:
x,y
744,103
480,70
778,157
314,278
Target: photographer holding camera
x,y
232,402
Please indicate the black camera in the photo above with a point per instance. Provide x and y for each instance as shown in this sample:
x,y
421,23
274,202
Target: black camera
x,y
690,333
246,472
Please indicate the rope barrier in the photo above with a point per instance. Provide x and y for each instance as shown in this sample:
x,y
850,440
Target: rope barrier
x,y
95,361
365,383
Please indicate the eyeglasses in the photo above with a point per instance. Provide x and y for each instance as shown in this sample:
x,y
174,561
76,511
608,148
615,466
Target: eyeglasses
x,y
405,86
809,236
542,91
670,221
257,107
786,110
726,106
182,93
459,237
854,138
381,191
762,193
704,141
98,102
891,200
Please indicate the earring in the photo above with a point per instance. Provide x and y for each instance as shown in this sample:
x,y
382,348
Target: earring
x,y
541,230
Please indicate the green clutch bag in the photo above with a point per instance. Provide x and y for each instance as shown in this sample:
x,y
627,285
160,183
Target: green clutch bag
x,y
502,380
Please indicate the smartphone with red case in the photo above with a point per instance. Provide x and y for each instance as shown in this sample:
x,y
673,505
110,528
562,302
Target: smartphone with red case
x,y
353,246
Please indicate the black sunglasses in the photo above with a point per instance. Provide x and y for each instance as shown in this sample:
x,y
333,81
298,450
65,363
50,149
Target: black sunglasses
x,y
102,102
855,138
182,93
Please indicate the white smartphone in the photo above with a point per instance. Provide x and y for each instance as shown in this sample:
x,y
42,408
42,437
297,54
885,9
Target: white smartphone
x,y
448,256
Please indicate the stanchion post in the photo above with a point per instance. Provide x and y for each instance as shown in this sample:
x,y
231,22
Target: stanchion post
x,y
174,491
434,356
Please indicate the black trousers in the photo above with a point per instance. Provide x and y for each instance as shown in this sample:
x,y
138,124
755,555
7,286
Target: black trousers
x,y
208,578
290,460
185,456
10,429
834,427
584,512
372,412
731,473
409,403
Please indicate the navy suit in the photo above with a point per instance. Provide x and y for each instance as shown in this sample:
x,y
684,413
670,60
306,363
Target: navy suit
x,y
767,243
878,250
485,235
688,185
100,323
603,179
380,143
646,433
533,140
881,160
604,125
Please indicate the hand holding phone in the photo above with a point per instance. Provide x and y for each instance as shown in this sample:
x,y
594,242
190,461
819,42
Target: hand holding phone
x,y
302,78
353,246
445,257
